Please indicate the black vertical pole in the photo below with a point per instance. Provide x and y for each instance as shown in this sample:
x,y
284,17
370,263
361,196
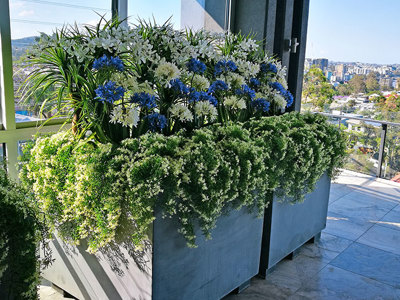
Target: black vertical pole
x,y
298,53
382,149
114,9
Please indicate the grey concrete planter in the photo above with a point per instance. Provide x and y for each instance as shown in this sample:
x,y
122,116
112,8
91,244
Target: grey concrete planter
x,y
168,269
288,226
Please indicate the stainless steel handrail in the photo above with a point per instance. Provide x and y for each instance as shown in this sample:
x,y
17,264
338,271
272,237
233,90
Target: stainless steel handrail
x,y
383,134
361,119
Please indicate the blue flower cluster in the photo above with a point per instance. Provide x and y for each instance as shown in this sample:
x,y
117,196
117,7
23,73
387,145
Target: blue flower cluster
x,y
254,82
223,66
144,100
196,66
268,68
156,121
261,104
179,86
285,93
217,85
246,91
108,62
207,97
193,95
109,92
289,99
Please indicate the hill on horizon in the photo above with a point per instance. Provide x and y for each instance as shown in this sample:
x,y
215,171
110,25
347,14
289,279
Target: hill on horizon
x,y
19,46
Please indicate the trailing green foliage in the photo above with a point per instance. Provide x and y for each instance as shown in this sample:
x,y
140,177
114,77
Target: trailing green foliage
x,y
20,233
92,191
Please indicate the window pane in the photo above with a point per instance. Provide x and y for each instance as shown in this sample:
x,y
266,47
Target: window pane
x,y
28,19
208,14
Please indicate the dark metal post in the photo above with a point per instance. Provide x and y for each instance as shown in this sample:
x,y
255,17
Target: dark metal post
x,y
382,149
114,9
297,57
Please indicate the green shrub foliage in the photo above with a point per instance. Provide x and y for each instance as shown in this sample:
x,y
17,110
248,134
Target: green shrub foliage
x,y
89,190
20,232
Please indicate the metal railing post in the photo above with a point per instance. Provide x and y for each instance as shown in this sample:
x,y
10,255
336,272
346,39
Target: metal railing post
x,y
381,150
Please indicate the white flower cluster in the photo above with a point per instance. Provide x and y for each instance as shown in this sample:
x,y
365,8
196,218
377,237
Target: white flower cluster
x,y
235,103
200,82
167,71
206,109
127,117
181,112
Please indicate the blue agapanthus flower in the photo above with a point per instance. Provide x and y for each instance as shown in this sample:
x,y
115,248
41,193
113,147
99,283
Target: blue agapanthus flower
x,y
194,95
108,62
279,87
179,86
245,90
284,92
268,68
261,104
218,85
254,82
289,98
109,92
204,96
156,121
224,66
196,66
144,100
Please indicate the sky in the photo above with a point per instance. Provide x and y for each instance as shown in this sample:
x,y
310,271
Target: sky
x,y
354,31
340,30
29,17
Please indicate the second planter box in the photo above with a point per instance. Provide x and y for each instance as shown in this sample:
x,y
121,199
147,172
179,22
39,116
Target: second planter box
x,y
288,226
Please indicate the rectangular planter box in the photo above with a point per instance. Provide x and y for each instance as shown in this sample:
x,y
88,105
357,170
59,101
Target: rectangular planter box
x,y
168,269
288,226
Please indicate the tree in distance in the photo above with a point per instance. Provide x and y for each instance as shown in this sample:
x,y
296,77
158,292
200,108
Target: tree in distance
x,y
317,89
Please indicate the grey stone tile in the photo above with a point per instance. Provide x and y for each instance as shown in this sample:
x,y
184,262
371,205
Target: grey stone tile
x,y
383,188
336,283
327,248
262,289
338,191
346,227
383,238
361,205
299,269
285,280
391,219
370,262
46,292
353,178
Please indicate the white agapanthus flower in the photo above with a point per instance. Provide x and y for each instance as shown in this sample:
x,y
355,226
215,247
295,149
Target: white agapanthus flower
x,y
280,101
167,71
200,82
181,112
128,118
117,115
132,117
247,68
206,109
283,82
235,80
234,102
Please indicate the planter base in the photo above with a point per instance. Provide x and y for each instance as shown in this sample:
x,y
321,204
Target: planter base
x,y
289,226
168,269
